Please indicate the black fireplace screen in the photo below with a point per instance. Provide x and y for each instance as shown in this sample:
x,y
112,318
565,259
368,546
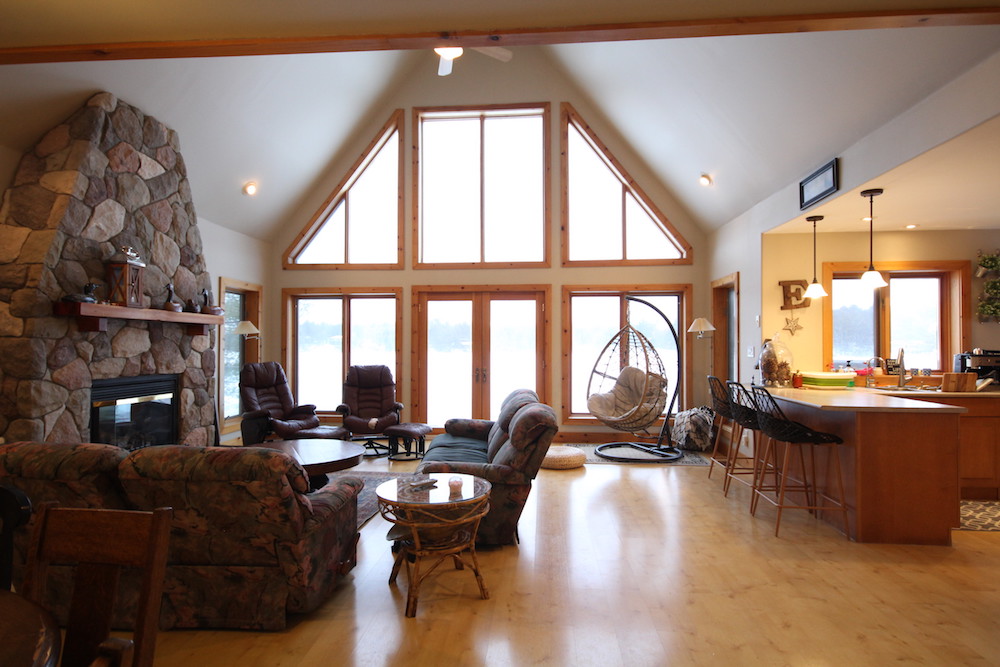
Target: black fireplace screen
x,y
134,412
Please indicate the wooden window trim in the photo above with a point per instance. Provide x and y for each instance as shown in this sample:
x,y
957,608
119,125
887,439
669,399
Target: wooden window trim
x,y
289,295
569,116
308,233
956,308
684,291
485,110
253,295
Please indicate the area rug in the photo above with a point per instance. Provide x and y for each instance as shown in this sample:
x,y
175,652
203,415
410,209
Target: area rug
x,y
981,515
367,502
690,458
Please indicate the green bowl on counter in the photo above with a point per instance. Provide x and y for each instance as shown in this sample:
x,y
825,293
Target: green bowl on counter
x,y
825,380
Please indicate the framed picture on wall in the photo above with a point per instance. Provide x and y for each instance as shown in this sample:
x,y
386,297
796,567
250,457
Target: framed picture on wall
x,y
818,185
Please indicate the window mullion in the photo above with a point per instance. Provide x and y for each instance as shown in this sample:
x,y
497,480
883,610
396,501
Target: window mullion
x,y
624,204
482,188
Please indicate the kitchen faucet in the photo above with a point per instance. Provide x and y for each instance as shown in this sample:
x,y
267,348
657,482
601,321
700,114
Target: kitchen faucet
x,y
870,378
902,370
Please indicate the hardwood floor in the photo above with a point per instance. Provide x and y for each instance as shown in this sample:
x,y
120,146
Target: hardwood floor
x,y
646,565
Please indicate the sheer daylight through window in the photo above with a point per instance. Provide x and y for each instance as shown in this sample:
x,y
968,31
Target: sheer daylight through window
x,y
609,218
482,187
359,225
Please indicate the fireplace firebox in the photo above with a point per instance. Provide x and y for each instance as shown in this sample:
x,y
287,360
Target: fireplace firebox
x,y
134,412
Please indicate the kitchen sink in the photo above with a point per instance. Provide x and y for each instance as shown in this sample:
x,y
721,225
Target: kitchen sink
x,y
899,389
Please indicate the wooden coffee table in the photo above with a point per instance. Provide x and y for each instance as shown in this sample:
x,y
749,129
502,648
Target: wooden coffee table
x,y
319,456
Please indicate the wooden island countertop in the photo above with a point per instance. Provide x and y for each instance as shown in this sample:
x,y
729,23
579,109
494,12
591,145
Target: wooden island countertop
x,y
900,460
863,400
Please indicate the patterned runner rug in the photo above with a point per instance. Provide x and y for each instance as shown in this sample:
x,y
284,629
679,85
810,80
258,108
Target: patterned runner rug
x,y
981,515
367,502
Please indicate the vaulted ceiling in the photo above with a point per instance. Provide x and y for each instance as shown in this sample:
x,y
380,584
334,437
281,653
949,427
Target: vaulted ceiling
x,y
757,112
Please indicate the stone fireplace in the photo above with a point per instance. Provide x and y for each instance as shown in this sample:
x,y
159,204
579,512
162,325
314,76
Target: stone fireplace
x,y
108,177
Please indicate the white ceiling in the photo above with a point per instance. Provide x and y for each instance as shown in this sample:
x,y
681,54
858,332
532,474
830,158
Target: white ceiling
x,y
756,112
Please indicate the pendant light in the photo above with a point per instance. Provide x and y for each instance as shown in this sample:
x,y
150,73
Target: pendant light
x,y
815,289
872,278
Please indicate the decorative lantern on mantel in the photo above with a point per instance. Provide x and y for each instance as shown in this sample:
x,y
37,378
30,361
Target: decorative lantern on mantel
x,y
125,278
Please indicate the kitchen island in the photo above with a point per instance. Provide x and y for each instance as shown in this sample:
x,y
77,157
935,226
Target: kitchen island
x,y
900,461
979,448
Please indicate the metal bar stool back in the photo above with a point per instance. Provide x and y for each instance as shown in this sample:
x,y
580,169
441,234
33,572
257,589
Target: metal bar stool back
x,y
723,419
740,466
796,437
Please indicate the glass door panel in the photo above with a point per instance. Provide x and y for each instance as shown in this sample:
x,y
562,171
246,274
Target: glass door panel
x,y
513,349
449,360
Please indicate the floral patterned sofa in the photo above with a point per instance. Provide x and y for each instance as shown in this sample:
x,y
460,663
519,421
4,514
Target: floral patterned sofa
x,y
249,543
507,453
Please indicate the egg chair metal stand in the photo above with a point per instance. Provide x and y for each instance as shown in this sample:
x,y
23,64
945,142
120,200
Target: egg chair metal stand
x,y
634,375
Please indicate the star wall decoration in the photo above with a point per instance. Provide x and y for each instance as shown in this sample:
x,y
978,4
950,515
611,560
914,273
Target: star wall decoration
x,y
792,325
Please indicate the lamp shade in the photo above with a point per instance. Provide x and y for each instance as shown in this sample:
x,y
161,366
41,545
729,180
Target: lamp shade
x,y
700,326
815,291
246,328
873,279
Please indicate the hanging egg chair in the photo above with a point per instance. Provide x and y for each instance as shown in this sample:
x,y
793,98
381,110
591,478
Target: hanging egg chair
x,y
628,391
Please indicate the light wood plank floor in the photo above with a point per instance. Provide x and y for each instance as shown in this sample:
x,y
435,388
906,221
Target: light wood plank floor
x,y
646,565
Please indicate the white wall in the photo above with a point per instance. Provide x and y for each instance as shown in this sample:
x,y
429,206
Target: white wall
x,y
737,247
478,79
230,254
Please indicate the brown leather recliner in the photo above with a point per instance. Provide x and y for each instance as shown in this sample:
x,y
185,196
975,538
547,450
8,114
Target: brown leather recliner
x,y
270,408
370,404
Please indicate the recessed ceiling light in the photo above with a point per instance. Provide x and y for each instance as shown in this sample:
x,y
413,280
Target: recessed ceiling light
x,y
705,180
250,188
911,226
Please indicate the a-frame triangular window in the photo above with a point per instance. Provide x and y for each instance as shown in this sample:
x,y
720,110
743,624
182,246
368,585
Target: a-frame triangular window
x,y
360,224
608,218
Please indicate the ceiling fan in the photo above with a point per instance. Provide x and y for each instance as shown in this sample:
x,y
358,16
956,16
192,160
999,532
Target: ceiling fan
x,y
448,54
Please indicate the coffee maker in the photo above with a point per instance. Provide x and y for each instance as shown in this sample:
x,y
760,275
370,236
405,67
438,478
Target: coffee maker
x,y
984,363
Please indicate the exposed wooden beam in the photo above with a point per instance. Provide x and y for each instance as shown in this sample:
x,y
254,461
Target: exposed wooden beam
x,y
717,27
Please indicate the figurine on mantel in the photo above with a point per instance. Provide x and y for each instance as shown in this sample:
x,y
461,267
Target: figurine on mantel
x,y
192,306
207,307
89,294
170,303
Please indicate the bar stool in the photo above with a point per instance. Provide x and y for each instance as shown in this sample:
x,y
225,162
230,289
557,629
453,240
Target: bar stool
x,y
744,410
723,418
796,437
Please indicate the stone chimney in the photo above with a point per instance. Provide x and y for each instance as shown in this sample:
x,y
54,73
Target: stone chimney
x,y
108,177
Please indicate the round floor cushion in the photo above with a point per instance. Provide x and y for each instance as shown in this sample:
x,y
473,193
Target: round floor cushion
x,y
561,457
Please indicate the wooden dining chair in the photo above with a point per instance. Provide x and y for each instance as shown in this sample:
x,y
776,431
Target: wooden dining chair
x,y
101,543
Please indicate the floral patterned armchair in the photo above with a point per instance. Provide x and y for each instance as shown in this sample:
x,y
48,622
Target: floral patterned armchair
x,y
249,543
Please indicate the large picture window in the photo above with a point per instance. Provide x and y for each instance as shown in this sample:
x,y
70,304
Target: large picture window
x,y
482,186
331,331
609,219
595,314
916,312
359,226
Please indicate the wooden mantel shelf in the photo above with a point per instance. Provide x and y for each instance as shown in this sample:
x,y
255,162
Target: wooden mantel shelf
x,y
94,316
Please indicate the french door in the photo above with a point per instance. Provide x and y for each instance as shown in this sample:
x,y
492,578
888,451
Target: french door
x,y
473,347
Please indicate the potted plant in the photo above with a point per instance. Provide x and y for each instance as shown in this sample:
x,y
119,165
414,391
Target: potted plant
x,y
991,288
988,309
987,262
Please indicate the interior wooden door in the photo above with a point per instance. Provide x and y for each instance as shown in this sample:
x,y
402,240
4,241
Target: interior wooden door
x,y
472,348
